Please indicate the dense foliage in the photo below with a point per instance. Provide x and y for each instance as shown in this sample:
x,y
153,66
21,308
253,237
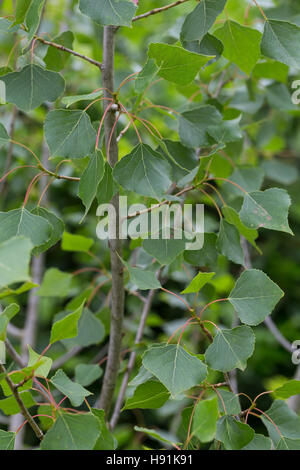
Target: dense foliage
x,y
145,342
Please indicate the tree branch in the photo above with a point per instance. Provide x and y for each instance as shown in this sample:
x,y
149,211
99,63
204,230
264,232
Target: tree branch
x,y
131,362
117,293
70,51
158,10
38,432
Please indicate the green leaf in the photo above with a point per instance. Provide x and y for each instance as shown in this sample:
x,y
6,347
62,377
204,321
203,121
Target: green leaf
x,y
229,244
5,317
288,444
227,131
233,218
207,256
144,280
90,180
241,44
205,420
174,367
254,296
78,243
182,159
267,209
143,171
20,290
106,440
55,284
280,172
259,442
149,395
248,178
9,405
109,12
34,358
280,41
228,402
287,390
74,391
107,187
7,440
175,63
233,434
208,45
286,421
4,137
56,59
198,282
69,134
146,75
33,17
21,10
161,436
90,331
86,374
20,222
14,260
67,327
57,229
72,432
69,100
165,250
32,86
271,69
201,19
194,124
231,349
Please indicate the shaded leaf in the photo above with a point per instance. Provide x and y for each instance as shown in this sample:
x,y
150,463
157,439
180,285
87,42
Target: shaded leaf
x,y
14,260
149,395
32,86
231,349
69,134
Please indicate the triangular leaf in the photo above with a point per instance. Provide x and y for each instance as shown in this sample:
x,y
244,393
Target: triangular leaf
x,y
254,296
231,349
32,86
174,367
69,134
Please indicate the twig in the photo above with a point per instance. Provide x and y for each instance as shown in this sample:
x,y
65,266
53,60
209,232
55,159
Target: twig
x,y
70,51
131,361
65,357
158,10
38,432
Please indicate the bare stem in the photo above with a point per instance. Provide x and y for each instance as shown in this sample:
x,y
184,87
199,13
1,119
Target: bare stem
x,y
117,293
70,51
38,432
158,10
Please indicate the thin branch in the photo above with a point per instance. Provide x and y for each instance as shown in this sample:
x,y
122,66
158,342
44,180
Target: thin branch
x,y
38,432
158,10
65,357
13,354
70,51
131,362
